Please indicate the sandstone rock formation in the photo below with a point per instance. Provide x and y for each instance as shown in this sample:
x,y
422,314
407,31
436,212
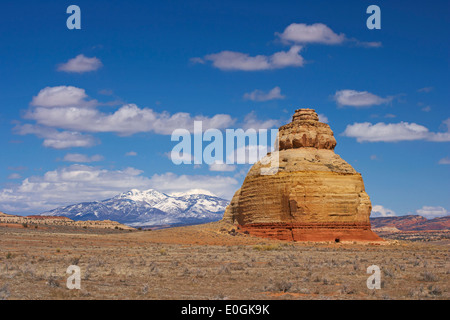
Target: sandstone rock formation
x,y
313,196
33,220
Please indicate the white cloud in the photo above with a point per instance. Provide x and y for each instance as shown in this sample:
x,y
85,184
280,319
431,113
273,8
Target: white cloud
x,y
78,157
131,154
231,60
319,33
81,64
358,99
258,95
252,122
385,132
69,185
69,109
106,92
445,160
380,211
441,136
62,96
224,187
296,34
14,176
315,33
220,166
426,109
372,44
425,89
79,183
197,60
128,119
185,157
323,118
57,139
394,132
248,154
432,212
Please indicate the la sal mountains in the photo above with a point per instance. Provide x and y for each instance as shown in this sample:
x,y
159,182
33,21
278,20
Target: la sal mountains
x,y
149,208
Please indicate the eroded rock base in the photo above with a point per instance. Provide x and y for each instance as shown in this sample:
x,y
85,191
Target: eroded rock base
x,y
335,232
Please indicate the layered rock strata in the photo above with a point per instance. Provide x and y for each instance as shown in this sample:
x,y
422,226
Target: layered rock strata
x,y
313,196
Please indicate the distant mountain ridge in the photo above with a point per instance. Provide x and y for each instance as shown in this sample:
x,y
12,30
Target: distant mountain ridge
x,y
411,223
149,208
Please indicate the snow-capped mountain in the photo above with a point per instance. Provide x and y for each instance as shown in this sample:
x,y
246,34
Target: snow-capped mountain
x,y
149,208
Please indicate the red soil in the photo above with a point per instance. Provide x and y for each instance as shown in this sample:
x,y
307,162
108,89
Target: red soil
x,y
311,232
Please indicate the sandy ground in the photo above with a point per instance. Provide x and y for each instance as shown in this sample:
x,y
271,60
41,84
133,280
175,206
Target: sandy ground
x,y
207,262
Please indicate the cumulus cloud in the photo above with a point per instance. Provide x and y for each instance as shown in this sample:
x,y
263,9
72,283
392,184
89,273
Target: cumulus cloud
x,y
169,182
127,120
69,108
131,154
258,95
314,33
79,183
251,121
81,64
57,139
231,60
78,157
62,96
248,154
319,33
359,99
445,160
220,166
380,211
432,212
14,176
179,158
394,132
296,34
323,118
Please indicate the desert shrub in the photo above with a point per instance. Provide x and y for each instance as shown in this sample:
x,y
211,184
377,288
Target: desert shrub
x,y
434,290
429,277
52,282
279,286
267,247
388,273
346,290
144,289
4,292
225,269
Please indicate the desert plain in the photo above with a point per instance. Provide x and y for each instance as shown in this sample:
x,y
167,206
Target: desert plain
x,y
213,262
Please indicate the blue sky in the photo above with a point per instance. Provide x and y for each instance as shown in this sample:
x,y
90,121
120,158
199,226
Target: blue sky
x,y
86,114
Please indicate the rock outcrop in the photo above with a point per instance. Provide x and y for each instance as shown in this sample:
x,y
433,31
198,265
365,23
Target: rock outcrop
x,y
313,195
33,220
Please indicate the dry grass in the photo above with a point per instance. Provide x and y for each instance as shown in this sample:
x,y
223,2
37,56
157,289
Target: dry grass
x,y
206,262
